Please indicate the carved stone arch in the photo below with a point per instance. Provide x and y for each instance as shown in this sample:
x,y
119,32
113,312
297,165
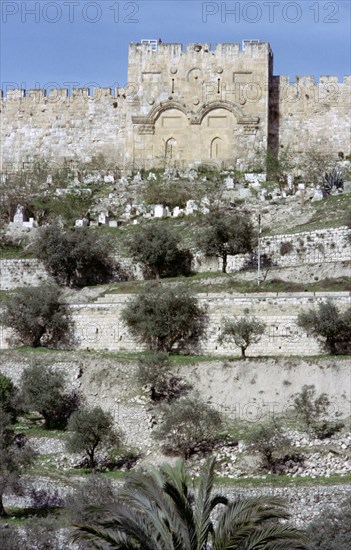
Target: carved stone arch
x,y
194,73
160,108
219,104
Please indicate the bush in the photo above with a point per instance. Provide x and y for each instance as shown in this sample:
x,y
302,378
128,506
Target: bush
x,y
165,317
38,317
156,372
76,257
286,248
188,426
244,331
226,234
330,326
156,247
331,530
43,390
7,396
90,429
327,429
308,407
95,491
271,444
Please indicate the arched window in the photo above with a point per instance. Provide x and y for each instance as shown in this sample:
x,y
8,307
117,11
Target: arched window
x,y
171,145
216,148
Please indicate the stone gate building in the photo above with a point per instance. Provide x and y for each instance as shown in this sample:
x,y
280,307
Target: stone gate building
x,y
182,107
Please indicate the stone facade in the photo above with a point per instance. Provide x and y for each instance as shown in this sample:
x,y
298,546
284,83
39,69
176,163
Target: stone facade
x,y
181,107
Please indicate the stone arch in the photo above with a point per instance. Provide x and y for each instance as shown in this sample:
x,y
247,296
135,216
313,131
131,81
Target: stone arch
x,y
216,148
165,106
231,107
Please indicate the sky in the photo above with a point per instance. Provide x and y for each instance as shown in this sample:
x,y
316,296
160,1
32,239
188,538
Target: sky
x,y
73,43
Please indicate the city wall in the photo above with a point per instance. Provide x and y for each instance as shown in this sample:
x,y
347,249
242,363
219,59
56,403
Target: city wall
x,y
181,106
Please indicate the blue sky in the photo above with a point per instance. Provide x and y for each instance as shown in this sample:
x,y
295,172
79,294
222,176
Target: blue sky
x,y
52,43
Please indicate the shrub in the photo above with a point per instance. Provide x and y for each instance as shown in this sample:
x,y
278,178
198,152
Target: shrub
x,y
43,390
38,317
286,247
188,425
243,331
90,429
330,326
164,317
327,429
308,407
95,491
76,257
156,371
7,396
156,247
226,234
331,530
271,444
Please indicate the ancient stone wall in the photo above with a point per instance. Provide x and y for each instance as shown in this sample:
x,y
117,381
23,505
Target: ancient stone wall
x,y
98,325
181,107
311,116
17,273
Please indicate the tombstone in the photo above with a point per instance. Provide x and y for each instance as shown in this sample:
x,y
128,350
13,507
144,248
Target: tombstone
x,y
135,222
81,223
137,178
109,178
229,182
191,207
318,194
123,180
176,211
103,218
244,193
347,186
29,224
159,211
290,181
48,179
112,223
19,214
151,176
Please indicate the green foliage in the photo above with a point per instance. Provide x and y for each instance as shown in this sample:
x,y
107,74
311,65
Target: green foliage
x,y
278,166
43,390
168,193
38,317
158,510
156,247
331,530
269,441
164,317
188,425
244,331
15,455
7,396
68,206
226,234
308,407
330,326
77,257
90,429
96,491
155,371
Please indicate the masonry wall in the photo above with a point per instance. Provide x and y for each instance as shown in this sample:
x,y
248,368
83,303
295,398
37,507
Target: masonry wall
x,y
311,116
98,325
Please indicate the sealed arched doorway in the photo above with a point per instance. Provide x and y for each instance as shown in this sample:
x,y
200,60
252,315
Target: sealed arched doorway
x,y
171,149
216,150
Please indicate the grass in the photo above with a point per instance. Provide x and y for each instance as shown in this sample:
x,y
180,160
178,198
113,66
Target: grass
x,y
13,252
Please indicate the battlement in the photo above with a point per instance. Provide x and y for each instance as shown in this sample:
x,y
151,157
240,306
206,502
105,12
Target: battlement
x,y
53,94
309,80
154,47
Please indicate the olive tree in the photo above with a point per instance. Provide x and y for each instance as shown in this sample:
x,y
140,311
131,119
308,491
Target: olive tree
x,y
329,325
165,317
43,390
156,247
90,429
38,316
75,257
243,331
226,234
